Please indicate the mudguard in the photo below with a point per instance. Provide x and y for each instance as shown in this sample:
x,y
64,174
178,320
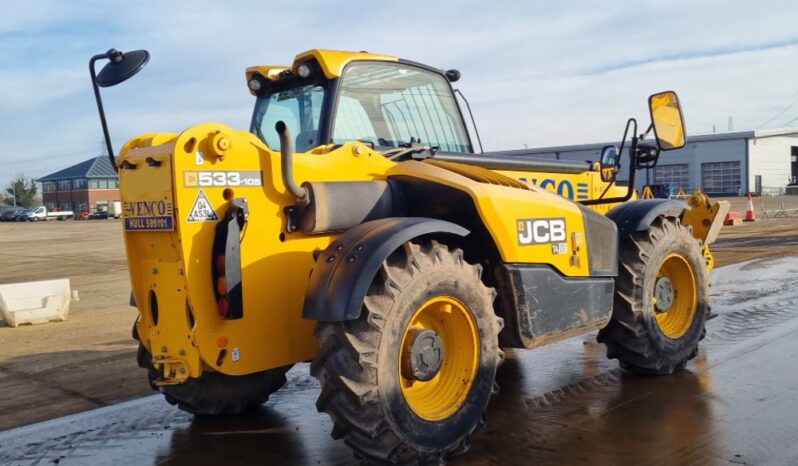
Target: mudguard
x,y
344,271
632,216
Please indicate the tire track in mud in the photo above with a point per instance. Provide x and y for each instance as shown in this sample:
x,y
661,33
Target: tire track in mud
x,y
40,379
567,392
736,328
128,425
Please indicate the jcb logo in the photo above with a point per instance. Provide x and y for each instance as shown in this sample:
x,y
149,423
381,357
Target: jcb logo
x,y
541,230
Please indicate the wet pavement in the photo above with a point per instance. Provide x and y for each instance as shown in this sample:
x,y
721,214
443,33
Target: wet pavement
x,y
737,403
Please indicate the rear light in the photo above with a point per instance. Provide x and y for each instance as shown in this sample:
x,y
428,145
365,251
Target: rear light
x,y
224,307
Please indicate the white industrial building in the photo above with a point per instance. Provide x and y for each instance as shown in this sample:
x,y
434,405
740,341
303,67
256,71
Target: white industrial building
x,y
720,164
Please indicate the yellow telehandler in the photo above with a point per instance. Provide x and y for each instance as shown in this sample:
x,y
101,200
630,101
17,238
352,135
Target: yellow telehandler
x,y
356,227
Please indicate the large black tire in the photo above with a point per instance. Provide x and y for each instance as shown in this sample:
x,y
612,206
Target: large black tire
x,y
634,336
215,393
359,369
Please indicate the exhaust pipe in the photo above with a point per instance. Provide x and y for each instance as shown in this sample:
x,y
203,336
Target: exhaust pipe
x,y
287,162
327,206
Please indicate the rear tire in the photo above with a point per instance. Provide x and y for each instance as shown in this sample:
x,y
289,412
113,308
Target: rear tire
x,y
378,407
643,337
215,393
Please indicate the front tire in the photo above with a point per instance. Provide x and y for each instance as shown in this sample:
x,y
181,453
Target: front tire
x,y
393,400
661,299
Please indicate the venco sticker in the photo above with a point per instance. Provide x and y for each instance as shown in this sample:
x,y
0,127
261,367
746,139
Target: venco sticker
x,y
148,215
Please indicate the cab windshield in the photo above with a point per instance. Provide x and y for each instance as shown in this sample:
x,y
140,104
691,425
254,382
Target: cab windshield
x,y
385,104
393,104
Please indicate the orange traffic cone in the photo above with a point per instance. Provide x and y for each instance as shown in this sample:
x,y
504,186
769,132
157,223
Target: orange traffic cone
x,y
750,216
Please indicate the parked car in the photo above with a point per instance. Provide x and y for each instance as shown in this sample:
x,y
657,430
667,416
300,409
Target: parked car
x,y
98,215
22,215
9,212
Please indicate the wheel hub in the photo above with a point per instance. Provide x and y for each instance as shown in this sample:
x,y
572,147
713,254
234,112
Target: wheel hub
x,y
663,293
424,355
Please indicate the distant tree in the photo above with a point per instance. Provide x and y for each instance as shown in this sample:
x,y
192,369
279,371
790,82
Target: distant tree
x,y
22,189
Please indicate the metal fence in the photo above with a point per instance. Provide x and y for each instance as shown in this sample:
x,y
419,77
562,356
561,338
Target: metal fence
x,y
777,202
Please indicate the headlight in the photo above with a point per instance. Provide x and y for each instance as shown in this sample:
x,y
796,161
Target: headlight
x,y
254,84
303,70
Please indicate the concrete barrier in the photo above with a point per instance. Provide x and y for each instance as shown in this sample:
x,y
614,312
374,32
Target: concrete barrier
x,y
35,302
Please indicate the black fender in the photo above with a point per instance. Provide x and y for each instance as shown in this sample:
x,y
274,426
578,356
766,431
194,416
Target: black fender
x,y
632,216
344,271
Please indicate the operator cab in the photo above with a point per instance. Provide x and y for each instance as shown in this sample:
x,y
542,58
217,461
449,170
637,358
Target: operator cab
x,y
384,102
405,109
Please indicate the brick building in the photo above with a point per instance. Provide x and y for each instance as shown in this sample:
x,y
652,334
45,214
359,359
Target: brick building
x,y
81,187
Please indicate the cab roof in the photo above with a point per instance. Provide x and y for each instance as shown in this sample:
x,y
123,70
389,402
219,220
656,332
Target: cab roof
x,y
332,63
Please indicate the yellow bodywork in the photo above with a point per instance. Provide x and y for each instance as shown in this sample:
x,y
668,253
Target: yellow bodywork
x,y
175,265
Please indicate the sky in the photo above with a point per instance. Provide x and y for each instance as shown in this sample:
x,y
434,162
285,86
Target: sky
x,y
535,73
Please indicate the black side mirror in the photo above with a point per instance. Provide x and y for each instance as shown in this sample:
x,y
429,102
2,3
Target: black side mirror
x,y
120,67
610,162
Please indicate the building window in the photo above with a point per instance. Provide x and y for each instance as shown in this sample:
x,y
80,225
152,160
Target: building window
x,y
65,185
50,205
104,183
79,183
721,178
676,176
49,187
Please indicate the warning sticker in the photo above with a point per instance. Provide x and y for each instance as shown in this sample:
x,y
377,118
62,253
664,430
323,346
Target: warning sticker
x,y
202,210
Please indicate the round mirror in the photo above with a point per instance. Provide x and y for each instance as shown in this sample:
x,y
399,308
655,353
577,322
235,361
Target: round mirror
x,y
121,66
610,162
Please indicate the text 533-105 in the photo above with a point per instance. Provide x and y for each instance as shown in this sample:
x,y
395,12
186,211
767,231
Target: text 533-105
x,y
203,179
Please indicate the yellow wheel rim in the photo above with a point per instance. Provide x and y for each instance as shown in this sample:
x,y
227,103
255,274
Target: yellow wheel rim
x,y
444,394
675,296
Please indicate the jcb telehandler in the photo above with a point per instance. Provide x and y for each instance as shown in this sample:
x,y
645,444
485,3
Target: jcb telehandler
x,y
356,227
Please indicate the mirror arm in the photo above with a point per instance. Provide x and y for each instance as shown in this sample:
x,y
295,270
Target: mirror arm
x,y
650,127
632,167
100,107
632,163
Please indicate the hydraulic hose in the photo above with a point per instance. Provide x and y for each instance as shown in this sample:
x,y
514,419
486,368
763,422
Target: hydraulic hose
x,y
287,162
